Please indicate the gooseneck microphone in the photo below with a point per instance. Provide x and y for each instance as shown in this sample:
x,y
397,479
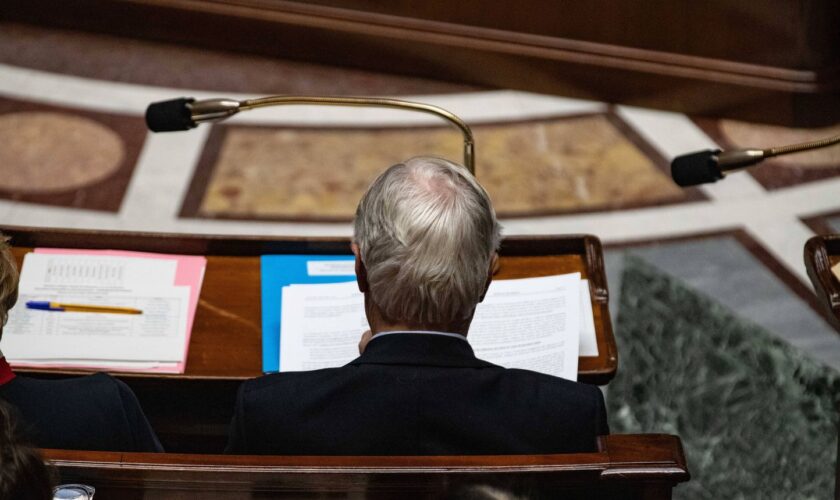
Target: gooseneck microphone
x,y
186,113
703,167
707,166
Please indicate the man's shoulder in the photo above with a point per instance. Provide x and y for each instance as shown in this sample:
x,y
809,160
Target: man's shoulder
x,y
100,392
540,377
285,380
533,381
97,412
95,385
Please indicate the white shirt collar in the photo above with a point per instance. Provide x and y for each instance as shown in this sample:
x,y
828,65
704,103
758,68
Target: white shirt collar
x,y
422,332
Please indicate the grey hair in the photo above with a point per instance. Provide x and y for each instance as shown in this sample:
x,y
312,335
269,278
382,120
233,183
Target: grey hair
x,y
8,280
426,232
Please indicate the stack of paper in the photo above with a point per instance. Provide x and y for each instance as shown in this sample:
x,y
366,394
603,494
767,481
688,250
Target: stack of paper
x,y
277,271
531,323
164,287
540,324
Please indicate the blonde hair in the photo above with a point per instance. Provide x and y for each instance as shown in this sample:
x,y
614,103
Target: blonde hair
x,y
8,280
426,232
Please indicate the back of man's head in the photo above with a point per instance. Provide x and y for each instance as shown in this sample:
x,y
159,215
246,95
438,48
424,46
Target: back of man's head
x,y
8,281
426,232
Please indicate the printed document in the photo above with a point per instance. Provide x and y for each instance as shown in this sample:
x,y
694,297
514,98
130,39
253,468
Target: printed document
x,y
158,336
320,325
531,323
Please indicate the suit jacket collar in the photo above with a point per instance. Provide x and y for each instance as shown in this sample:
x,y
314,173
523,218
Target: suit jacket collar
x,y
419,349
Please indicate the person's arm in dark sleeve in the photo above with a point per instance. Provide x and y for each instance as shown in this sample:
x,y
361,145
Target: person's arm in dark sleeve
x,y
236,432
144,437
602,427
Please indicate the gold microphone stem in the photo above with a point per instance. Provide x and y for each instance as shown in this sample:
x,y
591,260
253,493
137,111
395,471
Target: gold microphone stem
x,y
804,146
469,145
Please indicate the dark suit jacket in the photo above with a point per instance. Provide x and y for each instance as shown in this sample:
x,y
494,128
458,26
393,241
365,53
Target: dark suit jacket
x,y
416,394
96,412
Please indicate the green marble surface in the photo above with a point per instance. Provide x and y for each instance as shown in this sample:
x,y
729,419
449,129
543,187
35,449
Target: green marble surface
x,y
756,417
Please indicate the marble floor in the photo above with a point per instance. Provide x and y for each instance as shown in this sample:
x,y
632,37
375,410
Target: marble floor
x,y
77,155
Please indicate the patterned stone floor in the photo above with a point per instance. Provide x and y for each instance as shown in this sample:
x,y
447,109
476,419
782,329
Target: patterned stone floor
x,y
548,166
76,155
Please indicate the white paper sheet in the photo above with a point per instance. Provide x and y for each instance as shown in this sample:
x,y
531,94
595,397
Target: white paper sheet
x,y
56,273
320,325
331,268
158,335
530,323
588,339
158,366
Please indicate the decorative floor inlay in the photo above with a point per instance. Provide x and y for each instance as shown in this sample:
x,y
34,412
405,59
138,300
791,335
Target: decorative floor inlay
x,y
569,164
45,151
827,223
781,171
834,223
65,157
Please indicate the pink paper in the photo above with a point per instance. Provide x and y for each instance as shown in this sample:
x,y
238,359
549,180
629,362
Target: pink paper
x,y
176,369
188,272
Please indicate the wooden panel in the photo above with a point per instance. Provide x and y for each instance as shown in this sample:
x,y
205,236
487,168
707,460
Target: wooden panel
x,y
679,27
191,412
776,61
627,467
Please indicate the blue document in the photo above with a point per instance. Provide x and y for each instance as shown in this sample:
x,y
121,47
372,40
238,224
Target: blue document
x,y
277,271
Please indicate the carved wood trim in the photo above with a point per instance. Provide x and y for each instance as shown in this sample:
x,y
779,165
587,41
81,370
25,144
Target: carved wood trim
x,y
514,43
794,79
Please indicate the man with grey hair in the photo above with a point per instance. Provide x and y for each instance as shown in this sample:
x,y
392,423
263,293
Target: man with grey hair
x,y
425,241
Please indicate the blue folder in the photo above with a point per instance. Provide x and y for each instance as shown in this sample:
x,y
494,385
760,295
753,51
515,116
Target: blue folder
x,y
277,271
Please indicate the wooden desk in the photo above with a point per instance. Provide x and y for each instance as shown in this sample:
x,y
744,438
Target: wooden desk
x,y
225,347
626,466
821,254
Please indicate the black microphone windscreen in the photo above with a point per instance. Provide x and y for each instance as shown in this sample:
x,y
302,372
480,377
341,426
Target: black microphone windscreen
x,y
169,116
696,168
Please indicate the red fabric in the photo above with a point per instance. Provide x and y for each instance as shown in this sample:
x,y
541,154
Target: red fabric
x,y
6,373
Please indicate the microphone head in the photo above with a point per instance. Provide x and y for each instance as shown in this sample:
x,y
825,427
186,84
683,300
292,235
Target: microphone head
x,y
169,116
696,168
